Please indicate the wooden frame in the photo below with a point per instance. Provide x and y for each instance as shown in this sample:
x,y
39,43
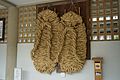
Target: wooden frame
x,y
2,28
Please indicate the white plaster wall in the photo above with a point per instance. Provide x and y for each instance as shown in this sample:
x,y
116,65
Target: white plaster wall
x,y
3,53
110,51
29,73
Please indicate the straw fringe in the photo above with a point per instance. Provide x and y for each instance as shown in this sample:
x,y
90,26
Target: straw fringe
x,y
62,42
73,54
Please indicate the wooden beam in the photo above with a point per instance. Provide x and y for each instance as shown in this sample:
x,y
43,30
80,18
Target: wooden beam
x,y
6,3
59,2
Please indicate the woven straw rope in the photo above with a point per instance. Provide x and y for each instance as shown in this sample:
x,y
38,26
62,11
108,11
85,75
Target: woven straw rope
x,y
62,42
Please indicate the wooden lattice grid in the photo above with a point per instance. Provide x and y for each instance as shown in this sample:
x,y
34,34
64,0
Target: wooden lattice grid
x,y
26,28
105,20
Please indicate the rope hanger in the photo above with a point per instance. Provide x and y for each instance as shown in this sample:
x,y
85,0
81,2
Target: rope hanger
x,y
72,6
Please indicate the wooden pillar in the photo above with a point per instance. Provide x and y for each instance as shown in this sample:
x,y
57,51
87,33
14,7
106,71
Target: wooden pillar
x,y
12,42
